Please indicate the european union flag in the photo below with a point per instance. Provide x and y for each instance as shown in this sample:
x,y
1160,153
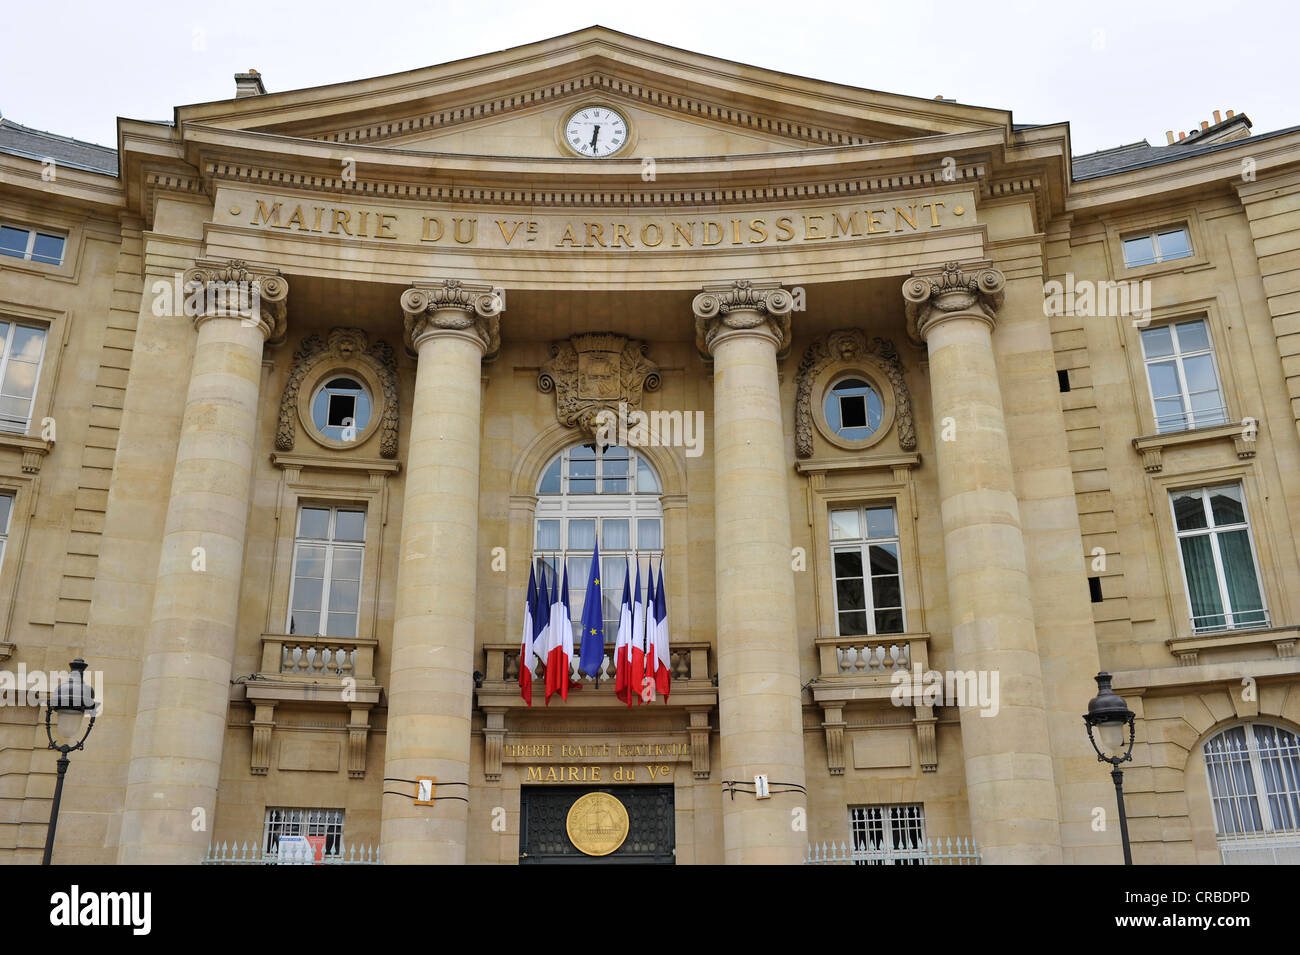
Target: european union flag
x,y
593,623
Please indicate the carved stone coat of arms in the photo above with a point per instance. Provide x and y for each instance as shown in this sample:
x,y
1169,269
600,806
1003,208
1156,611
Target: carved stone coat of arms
x,y
594,373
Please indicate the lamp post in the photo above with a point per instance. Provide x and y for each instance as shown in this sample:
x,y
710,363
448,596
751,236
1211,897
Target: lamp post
x,y
72,701
1108,714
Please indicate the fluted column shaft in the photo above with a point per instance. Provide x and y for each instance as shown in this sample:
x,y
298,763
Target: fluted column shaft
x,y
452,326
759,711
180,723
1009,779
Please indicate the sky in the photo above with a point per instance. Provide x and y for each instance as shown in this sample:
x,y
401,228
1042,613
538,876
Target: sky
x,y
1119,72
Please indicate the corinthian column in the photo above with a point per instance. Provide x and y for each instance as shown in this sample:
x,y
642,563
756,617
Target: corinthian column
x,y
743,325
1009,779
180,722
452,326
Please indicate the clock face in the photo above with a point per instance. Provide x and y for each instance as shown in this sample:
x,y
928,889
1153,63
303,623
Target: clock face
x,y
596,132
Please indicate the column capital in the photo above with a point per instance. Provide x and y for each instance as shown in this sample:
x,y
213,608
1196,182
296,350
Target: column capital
x,y
741,304
933,295
232,288
454,305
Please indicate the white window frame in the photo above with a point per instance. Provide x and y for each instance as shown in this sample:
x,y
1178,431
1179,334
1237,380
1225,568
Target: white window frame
x,y
32,232
301,821
862,545
331,547
1213,530
632,506
1188,415
1154,237
830,393
5,353
899,831
1272,837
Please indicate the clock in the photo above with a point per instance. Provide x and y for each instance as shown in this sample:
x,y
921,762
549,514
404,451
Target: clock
x,y
595,131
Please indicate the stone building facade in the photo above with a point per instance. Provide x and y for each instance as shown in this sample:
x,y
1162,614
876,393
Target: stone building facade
x,y
300,386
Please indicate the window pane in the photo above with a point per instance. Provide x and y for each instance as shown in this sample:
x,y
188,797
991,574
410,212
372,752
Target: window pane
x,y
344,595
880,522
1157,342
1226,506
1139,251
1202,583
1163,376
884,558
27,343
342,625
852,623
13,241
1192,336
20,379
585,485
6,511
615,485
1199,371
1174,244
310,562
307,593
889,621
350,526
646,479
844,525
15,413
1171,415
615,534
305,624
848,563
1243,585
550,483
582,534
885,592
1189,510
850,594
48,248
649,534
347,563
548,535
314,522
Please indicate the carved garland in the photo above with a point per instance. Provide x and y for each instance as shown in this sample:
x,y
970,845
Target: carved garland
x,y
347,345
847,345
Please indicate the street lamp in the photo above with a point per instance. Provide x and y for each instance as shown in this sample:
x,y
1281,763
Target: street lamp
x,y
72,701
1108,714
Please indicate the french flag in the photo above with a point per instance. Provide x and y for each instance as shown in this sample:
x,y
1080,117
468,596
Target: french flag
x,y
663,659
636,648
623,642
561,643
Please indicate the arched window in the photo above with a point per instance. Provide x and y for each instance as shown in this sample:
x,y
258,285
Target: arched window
x,y
587,491
1254,774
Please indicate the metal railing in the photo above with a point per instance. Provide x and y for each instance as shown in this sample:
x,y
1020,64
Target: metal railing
x,y
1238,620
1272,848
958,851
252,854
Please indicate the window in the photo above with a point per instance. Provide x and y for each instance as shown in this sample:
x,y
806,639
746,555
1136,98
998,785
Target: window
x,y
1218,558
281,821
853,409
1254,773
1159,246
585,491
325,596
1184,382
868,581
32,244
6,515
340,409
22,347
888,835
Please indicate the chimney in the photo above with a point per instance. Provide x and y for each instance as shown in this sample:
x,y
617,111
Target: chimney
x,y
248,84
1231,114
1181,137
1169,137
1218,118
1205,124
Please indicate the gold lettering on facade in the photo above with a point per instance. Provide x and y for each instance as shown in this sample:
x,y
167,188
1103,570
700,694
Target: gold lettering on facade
x,y
470,232
621,235
712,225
784,229
269,217
645,239
812,226
759,228
296,217
341,220
382,227
320,211
900,217
934,212
845,225
429,223
508,236
688,234
596,233
568,237
873,220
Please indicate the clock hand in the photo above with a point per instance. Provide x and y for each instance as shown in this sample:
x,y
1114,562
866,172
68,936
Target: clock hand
x,y
594,136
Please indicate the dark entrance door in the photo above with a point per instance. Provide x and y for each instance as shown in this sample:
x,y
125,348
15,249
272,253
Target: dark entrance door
x,y
651,835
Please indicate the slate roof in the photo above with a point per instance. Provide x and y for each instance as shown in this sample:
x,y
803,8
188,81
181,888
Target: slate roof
x,y
1141,154
19,140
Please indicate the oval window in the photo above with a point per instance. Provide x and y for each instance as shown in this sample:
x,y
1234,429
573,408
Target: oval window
x,y
340,409
853,409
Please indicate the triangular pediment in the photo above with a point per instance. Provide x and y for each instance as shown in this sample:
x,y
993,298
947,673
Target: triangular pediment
x,y
511,103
